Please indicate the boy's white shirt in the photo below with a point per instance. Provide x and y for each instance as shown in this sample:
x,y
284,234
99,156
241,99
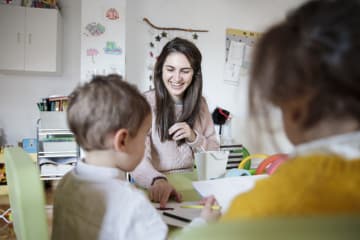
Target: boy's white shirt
x,y
116,210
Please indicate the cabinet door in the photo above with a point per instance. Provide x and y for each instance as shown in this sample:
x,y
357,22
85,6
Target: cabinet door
x,y
12,30
41,40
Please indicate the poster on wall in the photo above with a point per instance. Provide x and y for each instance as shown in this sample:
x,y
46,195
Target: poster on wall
x,y
239,46
102,38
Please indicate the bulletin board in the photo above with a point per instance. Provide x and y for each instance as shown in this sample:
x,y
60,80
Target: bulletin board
x,y
239,47
102,38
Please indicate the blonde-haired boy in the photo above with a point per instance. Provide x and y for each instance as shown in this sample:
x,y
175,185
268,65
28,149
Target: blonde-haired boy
x,y
110,120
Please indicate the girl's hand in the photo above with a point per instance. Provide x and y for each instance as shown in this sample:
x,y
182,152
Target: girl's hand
x,y
205,199
161,191
182,130
208,213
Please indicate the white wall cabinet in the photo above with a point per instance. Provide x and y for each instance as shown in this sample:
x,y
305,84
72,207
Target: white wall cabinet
x,y
30,39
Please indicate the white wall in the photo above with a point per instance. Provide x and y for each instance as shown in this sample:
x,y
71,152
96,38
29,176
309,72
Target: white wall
x,y
215,16
93,11
19,93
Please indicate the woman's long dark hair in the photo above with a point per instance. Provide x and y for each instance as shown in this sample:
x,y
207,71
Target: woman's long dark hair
x,y
165,112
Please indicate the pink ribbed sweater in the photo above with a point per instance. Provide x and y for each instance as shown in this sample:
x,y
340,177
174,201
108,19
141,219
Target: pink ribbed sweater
x,y
166,157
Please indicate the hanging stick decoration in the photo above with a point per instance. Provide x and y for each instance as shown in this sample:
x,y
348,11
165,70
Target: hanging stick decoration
x,y
173,28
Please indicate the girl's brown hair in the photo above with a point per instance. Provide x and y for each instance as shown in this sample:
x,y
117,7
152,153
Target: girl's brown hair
x,y
165,113
315,50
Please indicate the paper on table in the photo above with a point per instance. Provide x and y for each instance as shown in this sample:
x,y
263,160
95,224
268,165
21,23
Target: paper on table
x,y
225,189
188,213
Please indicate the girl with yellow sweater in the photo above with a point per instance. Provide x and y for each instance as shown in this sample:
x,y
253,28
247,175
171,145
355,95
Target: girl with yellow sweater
x,y
308,66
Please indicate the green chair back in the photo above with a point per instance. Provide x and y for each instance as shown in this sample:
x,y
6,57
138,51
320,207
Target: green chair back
x,y
26,193
294,228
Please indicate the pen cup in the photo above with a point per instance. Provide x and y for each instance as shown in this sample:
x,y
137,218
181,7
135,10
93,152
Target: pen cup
x,y
211,164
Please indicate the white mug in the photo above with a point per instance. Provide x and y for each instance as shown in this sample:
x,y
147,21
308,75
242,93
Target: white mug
x,y
211,164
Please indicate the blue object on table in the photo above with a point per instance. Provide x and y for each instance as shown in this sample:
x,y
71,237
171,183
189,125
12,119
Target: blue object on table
x,y
235,172
29,145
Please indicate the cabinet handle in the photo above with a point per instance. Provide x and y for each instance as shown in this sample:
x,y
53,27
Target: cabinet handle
x,y
18,37
30,35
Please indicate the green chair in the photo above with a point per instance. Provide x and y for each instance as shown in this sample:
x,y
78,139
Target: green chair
x,y
26,193
294,228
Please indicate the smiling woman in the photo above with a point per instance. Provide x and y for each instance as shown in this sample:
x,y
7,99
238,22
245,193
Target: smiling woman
x,y
177,75
181,120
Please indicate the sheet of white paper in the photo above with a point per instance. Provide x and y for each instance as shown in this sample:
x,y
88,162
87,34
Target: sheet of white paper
x,y
247,56
225,189
188,213
232,73
236,53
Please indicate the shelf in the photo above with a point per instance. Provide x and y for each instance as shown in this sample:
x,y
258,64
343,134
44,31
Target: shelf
x,y
57,155
44,178
55,132
48,171
57,150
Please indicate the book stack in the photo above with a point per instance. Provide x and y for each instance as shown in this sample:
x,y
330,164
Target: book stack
x,y
57,104
40,3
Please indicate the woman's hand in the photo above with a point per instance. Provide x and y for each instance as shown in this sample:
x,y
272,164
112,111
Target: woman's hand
x,y
161,191
208,212
182,130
